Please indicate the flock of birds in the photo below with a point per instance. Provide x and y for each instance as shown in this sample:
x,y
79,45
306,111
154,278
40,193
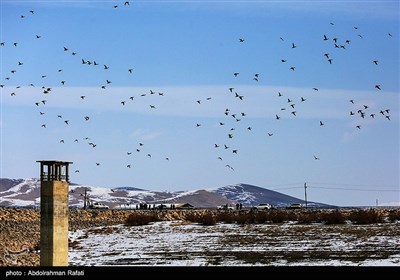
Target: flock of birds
x,y
229,118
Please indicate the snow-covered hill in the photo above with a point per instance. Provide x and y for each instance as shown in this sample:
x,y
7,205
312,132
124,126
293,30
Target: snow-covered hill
x,y
26,193
253,195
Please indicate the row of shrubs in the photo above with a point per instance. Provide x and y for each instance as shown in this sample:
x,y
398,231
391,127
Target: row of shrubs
x,y
204,217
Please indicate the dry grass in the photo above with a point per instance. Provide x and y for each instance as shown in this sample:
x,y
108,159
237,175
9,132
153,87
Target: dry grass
x,y
275,216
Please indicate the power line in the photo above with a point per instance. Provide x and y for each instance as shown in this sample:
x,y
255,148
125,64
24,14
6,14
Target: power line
x,y
352,189
315,186
350,185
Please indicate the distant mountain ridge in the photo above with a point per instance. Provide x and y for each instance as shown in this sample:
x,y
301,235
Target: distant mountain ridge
x,y
26,193
253,195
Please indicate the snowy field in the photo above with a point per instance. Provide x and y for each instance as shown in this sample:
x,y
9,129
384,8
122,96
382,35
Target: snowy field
x,y
184,244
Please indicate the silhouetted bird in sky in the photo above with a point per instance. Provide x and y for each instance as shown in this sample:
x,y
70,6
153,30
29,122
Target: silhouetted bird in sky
x,y
230,167
378,87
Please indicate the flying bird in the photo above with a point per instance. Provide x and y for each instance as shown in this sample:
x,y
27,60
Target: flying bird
x,y
230,167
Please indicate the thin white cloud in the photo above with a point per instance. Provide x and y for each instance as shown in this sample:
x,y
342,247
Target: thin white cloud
x,y
145,134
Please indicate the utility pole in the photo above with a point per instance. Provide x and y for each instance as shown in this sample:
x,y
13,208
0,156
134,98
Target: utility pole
x,y
85,199
305,193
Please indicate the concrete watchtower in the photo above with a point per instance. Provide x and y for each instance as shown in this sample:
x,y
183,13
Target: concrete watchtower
x,y
54,183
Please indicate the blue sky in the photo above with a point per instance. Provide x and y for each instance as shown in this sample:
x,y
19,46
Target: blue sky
x,y
183,56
